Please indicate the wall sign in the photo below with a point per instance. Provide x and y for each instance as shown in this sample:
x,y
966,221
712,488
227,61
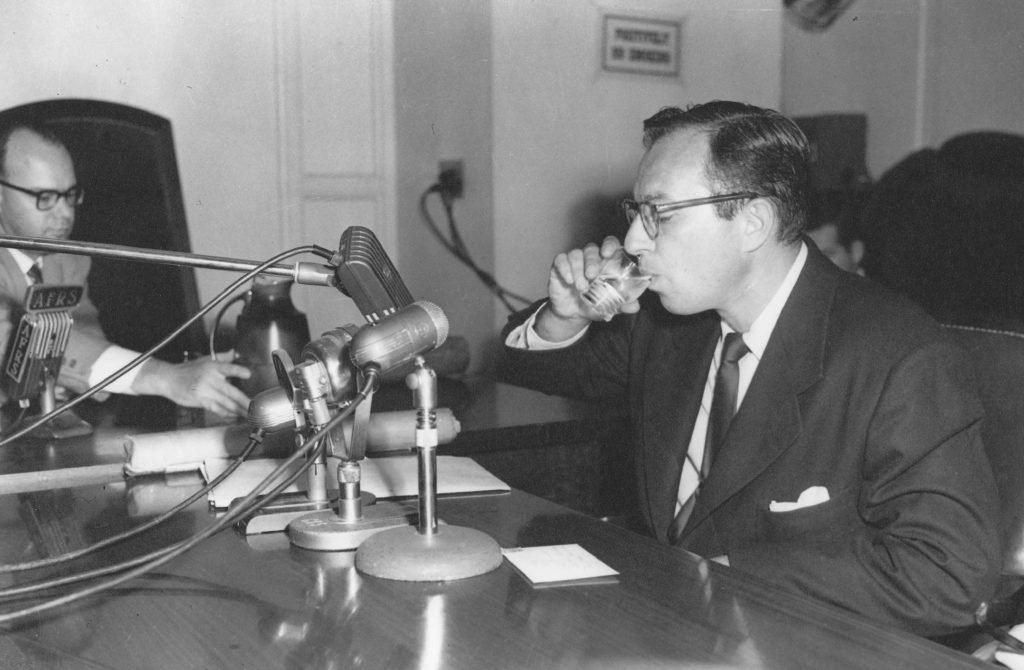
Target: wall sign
x,y
642,46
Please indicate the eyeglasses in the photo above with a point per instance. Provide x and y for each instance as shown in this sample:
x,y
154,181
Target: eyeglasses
x,y
47,198
650,213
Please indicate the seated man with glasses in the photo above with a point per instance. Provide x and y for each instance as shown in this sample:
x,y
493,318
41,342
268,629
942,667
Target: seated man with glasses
x,y
38,196
794,421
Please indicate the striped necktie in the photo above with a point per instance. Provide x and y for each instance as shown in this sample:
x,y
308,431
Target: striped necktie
x,y
723,407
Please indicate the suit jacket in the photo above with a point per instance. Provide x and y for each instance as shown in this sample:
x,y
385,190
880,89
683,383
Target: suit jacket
x,y
858,391
87,341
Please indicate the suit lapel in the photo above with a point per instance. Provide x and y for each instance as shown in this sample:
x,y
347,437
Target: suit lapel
x,y
769,422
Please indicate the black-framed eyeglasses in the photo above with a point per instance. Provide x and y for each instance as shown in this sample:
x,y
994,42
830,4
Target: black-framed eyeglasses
x,y
650,213
47,199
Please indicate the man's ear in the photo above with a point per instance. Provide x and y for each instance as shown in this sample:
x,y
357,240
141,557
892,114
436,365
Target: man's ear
x,y
759,223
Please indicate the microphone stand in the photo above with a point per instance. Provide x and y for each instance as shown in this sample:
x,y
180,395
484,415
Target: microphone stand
x,y
64,425
427,552
357,514
302,273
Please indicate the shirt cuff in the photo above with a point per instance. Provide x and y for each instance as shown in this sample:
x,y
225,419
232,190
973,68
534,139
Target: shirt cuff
x,y
110,361
525,336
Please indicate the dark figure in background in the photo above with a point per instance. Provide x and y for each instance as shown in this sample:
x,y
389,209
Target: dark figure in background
x,y
946,227
834,225
853,470
38,196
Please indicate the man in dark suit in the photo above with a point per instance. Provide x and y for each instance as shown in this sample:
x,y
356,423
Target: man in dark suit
x,y
38,196
852,470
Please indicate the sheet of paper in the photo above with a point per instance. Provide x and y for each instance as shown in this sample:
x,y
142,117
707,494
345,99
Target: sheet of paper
x,y
387,478
559,564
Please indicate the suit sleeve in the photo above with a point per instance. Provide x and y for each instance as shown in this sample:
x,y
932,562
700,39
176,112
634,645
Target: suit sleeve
x,y
85,345
594,367
923,550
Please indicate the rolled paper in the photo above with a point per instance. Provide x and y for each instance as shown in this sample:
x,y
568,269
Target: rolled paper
x,y
185,450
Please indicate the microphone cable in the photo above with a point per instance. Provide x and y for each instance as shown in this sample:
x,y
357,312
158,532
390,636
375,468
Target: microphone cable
x,y
455,245
255,439
28,589
141,565
143,357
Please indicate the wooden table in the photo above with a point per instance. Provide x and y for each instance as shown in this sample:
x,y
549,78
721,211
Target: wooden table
x,y
237,602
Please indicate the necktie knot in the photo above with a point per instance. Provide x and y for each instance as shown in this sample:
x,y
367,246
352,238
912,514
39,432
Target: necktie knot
x,y
734,348
35,274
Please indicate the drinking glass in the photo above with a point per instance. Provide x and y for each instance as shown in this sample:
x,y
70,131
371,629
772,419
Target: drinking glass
x,y
619,281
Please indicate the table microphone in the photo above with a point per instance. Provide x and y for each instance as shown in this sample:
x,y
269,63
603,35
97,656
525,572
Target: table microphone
x,y
40,340
36,350
272,411
395,341
399,338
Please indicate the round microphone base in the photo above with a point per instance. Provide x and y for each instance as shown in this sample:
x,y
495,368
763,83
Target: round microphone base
x,y
327,531
450,554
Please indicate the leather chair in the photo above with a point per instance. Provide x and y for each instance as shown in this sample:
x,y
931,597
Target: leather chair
x,y
998,355
124,158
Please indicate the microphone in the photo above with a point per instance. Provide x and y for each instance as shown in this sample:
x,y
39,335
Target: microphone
x,y
272,411
395,341
400,338
35,352
37,347
365,273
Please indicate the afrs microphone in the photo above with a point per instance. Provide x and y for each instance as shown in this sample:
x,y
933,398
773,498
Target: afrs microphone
x,y
36,349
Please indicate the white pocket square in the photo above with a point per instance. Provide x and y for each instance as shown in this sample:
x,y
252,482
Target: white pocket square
x,y
812,496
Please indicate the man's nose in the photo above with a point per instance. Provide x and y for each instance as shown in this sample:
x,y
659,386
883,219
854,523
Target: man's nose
x,y
637,241
64,209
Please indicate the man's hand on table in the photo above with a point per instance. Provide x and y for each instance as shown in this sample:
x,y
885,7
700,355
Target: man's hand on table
x,y
202,382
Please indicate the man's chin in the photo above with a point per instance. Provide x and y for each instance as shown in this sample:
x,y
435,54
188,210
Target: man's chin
x,y
677,307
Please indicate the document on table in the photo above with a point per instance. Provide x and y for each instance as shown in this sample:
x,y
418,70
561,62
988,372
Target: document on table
x,y
387,478
559,564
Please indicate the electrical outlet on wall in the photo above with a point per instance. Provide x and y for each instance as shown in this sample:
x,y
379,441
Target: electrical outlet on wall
x,y
449,177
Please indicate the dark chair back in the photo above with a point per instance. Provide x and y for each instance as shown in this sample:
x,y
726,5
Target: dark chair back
x,y
998,357
124,158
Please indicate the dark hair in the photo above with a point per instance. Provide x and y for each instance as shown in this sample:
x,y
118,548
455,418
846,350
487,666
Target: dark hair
x,y
9,129
751,149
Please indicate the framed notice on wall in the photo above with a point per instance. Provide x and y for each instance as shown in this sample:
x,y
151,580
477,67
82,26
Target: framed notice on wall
x,y
641,46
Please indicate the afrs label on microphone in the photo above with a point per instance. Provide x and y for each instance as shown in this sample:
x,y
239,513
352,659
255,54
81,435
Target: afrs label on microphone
x,y
53,297
15,368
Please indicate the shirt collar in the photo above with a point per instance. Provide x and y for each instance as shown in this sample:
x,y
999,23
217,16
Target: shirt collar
x,y
23,260
760,331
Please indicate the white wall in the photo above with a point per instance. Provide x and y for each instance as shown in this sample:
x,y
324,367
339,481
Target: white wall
x,y
567,135
159,55
443,111
973,74
281,112
921,70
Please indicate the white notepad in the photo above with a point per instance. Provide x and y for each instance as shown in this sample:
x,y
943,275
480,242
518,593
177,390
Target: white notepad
x,y
559,564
